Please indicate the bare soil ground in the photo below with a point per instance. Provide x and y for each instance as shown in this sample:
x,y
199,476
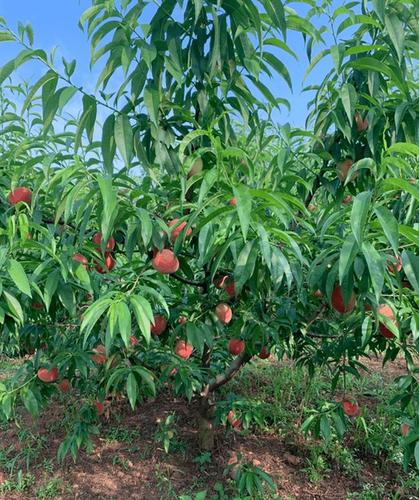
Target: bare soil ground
x,y
127,463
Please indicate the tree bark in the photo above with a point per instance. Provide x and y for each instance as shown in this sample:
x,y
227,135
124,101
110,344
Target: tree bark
x,y
206,424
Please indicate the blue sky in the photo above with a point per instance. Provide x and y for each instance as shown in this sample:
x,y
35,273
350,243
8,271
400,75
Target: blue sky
x,y
55,24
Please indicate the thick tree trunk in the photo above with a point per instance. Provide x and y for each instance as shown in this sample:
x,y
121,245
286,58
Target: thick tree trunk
x,y
206,424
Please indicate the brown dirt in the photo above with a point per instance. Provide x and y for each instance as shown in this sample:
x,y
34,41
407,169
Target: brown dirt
x,y
140,469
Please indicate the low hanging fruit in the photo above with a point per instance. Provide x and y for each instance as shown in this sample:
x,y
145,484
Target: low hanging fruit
x,y
230,289
233,202
361,124
347,200
405,428
350,408
110,264
224,313
20,194
183,349
264,353
99,407
46,375
178,229
338,303
317,293
343,168
159,324
387,311
232,420
165,262
133,340
79,257
396,265
99,356
236,346
219,281
97,240
182,320
64,385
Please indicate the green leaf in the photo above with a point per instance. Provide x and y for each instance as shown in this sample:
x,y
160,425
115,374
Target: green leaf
x,y
51,285
279,67
30,402
359,214
366,330
132,389
152,103
66,296
396,32
124,322
347,256
92,315
5,36
325,428
110,207
349,98
376,267
244,207
108,143
143,314
400,184
14,306
123,138
18,275
411,268
245,265
195,337
390,226
146,226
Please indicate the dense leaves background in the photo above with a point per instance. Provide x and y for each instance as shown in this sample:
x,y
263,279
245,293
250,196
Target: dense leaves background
x,y
189,128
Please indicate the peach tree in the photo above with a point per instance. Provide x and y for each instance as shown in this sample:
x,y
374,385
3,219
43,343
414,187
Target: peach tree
x,y
172,232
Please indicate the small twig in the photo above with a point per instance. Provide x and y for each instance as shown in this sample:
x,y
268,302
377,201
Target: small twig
x,y
187,281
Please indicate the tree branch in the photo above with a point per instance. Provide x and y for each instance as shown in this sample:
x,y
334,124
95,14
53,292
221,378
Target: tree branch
x,y
230,372
187,281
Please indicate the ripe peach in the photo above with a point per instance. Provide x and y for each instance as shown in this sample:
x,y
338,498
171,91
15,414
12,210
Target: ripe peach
x,y
100,355
133,340
233,202
178,229
236,346
387,311
183,349
232,420
343,168
264,353
361,124
97,240
20,194
99,407
64,385
230,289
405,428
38,306
79,257
48,376
350,408
219,281
224,313
312,207
396,265
338,302
182,319
317,293
110,263
159,324
347,200
165,261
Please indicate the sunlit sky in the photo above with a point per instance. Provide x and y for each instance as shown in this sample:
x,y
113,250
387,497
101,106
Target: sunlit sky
x,y
55,24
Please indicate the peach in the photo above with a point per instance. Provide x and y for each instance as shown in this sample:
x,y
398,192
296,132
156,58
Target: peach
x,y
97,240
338,302
159,324
178,229
183,349
46,375
165,262
20,194
224,313
236,346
